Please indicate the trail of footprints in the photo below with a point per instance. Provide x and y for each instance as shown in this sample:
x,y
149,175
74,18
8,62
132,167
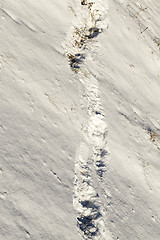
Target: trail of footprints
x,y
87,26
91,156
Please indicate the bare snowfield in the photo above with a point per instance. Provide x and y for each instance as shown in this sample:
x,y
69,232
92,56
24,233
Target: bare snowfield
x,y
80,120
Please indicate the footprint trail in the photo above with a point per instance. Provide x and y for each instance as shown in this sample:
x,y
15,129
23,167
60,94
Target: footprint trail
x,y
92,155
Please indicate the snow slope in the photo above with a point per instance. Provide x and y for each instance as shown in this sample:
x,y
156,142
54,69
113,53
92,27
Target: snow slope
x,y
79,119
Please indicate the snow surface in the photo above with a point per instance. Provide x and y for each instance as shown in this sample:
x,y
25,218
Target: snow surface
x,y
79,120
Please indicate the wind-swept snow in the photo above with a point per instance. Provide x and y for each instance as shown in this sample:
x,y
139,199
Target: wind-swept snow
x,y
80,119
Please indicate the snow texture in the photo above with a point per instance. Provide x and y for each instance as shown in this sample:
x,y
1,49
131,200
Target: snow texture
x,y
80,119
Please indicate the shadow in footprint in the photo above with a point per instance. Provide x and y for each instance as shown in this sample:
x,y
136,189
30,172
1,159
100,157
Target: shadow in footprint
x,y
103,153
89,204
87,223
100,172
100,164
75,60
94,32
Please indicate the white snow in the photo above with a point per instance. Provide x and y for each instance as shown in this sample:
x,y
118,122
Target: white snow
x,y
80,120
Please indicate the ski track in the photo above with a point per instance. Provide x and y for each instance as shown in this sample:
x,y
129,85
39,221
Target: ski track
x,y
91,159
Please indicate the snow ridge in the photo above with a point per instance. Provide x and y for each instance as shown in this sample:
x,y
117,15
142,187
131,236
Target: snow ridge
x,y
92,155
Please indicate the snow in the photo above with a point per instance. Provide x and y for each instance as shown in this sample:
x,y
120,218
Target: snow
x,y
79,120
